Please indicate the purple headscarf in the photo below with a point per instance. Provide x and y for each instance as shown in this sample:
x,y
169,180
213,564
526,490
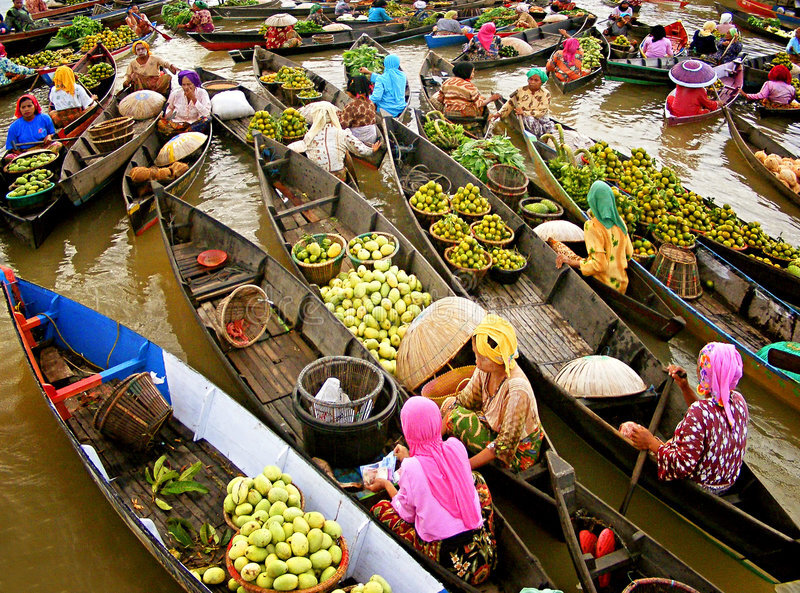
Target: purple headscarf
x,y
191,75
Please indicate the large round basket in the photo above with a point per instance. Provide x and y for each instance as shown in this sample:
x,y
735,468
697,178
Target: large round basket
x,y
48,166
447,384
470,277
440,242
535,218
645,260
472,215
243,315
111,143
427,218
219,86
325,587
677,268
232,525
506,276
31,200
290,93
134,412
307,100
371,262
289,139
508,183
110,127
322,38
321,273
502,243
657,585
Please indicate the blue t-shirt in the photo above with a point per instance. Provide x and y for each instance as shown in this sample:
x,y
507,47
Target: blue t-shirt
x,y
378,15
22,132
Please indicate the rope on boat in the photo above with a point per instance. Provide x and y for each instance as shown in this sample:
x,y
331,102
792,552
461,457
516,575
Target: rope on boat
x,y
419,175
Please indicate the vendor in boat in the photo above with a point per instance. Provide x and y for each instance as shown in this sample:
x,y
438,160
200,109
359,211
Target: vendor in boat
x,y
389,88
448,25
360,114
316,15
459,96
10,71
34,6
725,23
201,21
618,26
484,45
280,32
704,43
656,44
138,22
559,5
623,11
778,89
495,415
327,144
708,445
793,47
342,8
442,508
608,244
532,103
68,100
31,130
728,48
420,11
690,98
524,18
18,19
566,63
188,107
377,12
147,71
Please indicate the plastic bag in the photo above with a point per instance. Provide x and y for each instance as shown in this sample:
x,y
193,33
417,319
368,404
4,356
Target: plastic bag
x,y
231,105
383,469
331,392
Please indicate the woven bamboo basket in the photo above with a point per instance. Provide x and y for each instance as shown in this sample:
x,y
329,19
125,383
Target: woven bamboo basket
x,y
232,525
371,262
435,337
502,243
213,87
534,218
508,183
440,242
249,305
427,218
597,376
447,384
471,275
470,215
677,268
113,143
645,260
49,166
325,587
657,585
322,38
290,93
110,127
322,272
134,412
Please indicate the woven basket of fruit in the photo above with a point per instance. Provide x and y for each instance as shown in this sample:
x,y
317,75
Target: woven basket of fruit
x,y
469,259
448,231
492,231
293,126
447,384
29,195
232,518
429,203
643,250
319,257
507,265
309,96
368,248
537,210
28,161
468,202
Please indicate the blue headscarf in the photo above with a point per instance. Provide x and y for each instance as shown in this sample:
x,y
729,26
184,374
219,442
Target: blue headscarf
x,y
389,93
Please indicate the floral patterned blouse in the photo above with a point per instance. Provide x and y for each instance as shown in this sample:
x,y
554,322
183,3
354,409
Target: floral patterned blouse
x,y
201,21
476,52
9,71
704,448
357,113
609,251
533,104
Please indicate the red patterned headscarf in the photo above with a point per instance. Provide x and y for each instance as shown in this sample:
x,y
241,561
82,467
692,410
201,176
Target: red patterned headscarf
x,y
18,113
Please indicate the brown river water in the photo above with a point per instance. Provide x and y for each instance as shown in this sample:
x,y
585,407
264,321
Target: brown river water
x,y
57,534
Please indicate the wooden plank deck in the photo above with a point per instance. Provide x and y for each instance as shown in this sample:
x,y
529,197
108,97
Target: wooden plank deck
x,y
206,283
731,323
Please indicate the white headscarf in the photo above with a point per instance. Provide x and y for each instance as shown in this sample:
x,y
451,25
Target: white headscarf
x,y
324,114
725,18
420,4
523,8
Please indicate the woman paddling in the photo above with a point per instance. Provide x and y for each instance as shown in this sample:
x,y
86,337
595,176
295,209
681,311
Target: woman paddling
x,y
137,22
728,48
146,71
316,15
31,130
188,107
566,63
201,21
68,100
777,90
708,445
442,508
690,97
360,114
389,90
532,102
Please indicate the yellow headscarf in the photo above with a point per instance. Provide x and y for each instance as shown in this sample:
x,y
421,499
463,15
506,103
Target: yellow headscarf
x,y
495,327
64,79
708,29
140,42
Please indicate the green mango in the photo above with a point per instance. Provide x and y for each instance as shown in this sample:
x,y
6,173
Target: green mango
x,y
276,568
299,565
306,581
327,574
321,559
287,582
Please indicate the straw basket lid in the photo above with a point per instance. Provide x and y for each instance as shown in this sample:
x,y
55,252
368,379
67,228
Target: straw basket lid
x,y
435,337
280,20
180,146
599,376
693,74
560,230
142,104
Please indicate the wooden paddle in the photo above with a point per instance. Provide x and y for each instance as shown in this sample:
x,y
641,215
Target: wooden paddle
x,y
35,82
153,26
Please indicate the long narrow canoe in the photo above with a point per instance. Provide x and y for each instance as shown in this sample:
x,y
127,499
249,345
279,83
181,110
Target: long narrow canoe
x,y
261,11
141,208
756,71
302,330
548,308
740,19
66,11
207,425
650,71
570,86
434,41
732,82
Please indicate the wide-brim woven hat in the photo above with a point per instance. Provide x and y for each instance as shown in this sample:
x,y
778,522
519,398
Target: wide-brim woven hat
x,y
693,74
280,20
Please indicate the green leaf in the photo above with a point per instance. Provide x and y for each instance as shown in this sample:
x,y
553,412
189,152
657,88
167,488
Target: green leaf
x,y
175,488
227,537
163,505
158,466
180,534
148,477
208,535
164,478
191,471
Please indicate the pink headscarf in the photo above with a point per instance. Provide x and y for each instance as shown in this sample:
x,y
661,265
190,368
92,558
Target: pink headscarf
x,y
486,35
571,47
720,370
444,463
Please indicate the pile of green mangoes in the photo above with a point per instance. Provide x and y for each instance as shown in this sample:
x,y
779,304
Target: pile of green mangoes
x,y
310,250
376,584
29,184
48,58
590,46
542,207
621,42
450,227
264,123
372,247
35,161
257,499
508,51
112,40
100,71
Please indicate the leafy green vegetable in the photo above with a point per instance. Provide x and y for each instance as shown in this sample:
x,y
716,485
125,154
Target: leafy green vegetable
x,y
499,16
241,2
307,27
363,56
81,27
478,155
176,13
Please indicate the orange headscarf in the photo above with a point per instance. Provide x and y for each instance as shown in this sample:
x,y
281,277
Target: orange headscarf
x,y
64,79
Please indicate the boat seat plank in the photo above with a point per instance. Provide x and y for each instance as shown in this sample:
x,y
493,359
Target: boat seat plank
x,y
732,323
53,365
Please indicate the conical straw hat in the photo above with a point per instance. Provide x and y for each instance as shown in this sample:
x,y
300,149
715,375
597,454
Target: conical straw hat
x,y
599,376
280,20
180,146
435,337
560,230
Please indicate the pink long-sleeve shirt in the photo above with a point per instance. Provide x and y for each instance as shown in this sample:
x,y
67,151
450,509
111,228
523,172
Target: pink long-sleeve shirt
x,y
657,49
776,91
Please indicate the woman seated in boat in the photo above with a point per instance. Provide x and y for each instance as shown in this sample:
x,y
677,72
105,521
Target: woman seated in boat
x,y
34,6
777,90
495,415
146,71
608,244
280,32
728,48
441,508
704,43
31,130
623,11
389,88
524,18
316,15
793,47
377,12
708,445
566,63
359,115
201,21
420,11
725,23
10,71
459,97
68,100
188,107
618,26
656,44
448,25
327,144
18,19
138,22
343,8
484,45
690,98
532,103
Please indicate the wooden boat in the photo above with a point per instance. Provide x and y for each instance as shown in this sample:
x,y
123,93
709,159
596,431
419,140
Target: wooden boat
x,y
786,112
267,371
756,71
433,41
740,19
676,33
141,208
20,84
261,11
650,71
51,327
25,42
543,40
548,307
87,170
570,86
732,81
66,11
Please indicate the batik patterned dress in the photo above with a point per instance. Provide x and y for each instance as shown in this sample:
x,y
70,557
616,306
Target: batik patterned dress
x,y
609,251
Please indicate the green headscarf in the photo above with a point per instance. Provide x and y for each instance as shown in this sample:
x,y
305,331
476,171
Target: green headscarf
x,y
540,72
604,206
201,5
314,8
450,14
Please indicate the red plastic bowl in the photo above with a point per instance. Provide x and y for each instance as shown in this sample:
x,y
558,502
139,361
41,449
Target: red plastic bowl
x,y
212,258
